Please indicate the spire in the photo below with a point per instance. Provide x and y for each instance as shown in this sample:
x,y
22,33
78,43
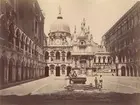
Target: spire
x,y
83,24
84,21
59,15
59,10
89,29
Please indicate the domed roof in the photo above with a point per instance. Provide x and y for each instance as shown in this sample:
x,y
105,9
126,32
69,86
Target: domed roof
x,y
60,25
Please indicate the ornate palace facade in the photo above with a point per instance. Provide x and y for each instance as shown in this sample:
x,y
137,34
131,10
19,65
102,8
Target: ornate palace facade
x,y
123,41
77,51
21,41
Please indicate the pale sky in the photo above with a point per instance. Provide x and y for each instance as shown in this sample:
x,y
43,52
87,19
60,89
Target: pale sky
x,y
100,15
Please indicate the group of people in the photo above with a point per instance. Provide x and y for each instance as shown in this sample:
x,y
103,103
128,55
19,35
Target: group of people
x,y
98,82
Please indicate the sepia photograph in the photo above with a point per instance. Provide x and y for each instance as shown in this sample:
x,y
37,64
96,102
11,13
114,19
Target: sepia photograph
x,y
69,52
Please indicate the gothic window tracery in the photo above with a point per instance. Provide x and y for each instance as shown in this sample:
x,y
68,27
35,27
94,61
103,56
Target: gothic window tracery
x,y
17,37
57,55
46,55
68,55
52,55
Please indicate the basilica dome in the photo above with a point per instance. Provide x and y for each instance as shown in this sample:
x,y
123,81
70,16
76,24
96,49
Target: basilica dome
x,y
60,25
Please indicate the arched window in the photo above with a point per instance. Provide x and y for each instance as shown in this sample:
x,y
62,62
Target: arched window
x,y
99,59
104,59
30,46
68,55
52,69
63,56
26,44
94,59
17,37
52,55
10,70
63,67
46,55
57,55
3,71
11,32
109,59
22,41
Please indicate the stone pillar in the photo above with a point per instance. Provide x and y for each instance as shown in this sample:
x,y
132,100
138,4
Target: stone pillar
x,y
126,71
7,73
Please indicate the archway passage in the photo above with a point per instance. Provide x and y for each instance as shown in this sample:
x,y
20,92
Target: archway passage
x,y
57,71
3,71
68,70
131,71
46,71
10,76
122,71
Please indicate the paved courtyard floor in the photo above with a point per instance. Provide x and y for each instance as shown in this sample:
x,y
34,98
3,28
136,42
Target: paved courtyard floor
x,y
116,90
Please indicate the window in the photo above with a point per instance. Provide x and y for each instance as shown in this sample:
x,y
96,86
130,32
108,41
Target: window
x,y
36,26
46,55
57,55
22,42
17,38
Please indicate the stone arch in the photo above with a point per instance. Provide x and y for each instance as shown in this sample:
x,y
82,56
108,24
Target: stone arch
x,y
68,70
63,55
17,37
22,41
11,32
18,70
26,71
23,70
131,71
123,72
57,70
95,59
63,67
52,55
46,55
57,55
11,70
26,43
68,55
108,59
104,57
46,71
99,59
135,71
30,46
3,71
52,68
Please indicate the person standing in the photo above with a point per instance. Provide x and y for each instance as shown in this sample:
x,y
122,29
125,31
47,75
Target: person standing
x,y
96,82
101,81
70,77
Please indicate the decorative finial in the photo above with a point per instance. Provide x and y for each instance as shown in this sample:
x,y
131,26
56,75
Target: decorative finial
x,y
59,9
59,15
84,21
89,29
75,29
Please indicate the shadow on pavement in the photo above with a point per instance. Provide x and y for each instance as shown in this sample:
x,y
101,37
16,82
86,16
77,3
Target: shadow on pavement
x,y
73,98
